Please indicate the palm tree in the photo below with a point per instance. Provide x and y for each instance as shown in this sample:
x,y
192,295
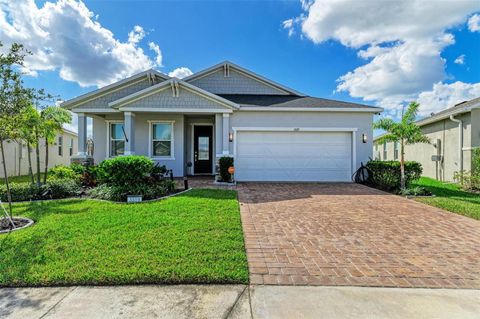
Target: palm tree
x,y
404,132
53,118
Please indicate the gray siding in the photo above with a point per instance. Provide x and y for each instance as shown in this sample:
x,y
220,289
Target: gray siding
x,y
186,99
102,101
236,83
361,121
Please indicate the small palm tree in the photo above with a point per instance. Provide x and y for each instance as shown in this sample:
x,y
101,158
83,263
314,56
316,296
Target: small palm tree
x,y
404,132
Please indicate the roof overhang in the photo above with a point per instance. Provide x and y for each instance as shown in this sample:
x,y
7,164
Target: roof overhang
x,y
82,99
174,84
313,109
257,77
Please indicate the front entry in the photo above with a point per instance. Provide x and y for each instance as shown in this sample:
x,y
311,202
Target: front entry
x,y
202,149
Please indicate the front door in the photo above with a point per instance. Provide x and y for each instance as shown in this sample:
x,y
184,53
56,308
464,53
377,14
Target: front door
x,y
202,149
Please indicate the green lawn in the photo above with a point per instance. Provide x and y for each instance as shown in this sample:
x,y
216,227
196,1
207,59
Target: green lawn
x,y
194,237
450,197
20,179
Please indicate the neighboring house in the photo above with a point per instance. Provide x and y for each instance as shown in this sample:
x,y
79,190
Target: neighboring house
x,y
16,154
453,133
273,132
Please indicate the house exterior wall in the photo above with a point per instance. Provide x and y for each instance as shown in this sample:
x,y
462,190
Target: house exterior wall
x,y
142,138
16,156
236,83
445,131
361,121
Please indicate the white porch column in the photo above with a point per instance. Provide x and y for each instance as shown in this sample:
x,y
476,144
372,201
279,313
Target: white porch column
x,y
226,128
129,125
82,135
218,134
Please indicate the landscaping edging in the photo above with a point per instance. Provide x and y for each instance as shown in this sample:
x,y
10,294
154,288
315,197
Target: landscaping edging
x,y
28,224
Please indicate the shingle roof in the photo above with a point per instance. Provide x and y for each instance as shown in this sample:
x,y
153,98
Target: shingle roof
x,y
288,101
459,106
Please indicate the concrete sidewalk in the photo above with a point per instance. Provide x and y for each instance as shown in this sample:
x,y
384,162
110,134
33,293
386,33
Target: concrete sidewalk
x,y
237,301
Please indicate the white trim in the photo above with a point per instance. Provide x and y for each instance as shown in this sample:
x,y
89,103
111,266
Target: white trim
x,y
108,122
301,129
136,78
150,140
166,84
470,148
93,110
245,72
312,109
226,114
173,110
192,145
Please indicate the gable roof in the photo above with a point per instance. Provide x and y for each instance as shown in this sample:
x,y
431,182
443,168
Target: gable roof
x,y
69,104
173,82
292,101
255,76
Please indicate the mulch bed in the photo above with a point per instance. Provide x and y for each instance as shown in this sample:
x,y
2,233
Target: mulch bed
x,y
20,222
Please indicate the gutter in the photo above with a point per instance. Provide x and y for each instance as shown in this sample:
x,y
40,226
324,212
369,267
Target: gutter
x,y
460,141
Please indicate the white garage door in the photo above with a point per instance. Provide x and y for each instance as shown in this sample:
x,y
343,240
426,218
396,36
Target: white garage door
x,y
293,156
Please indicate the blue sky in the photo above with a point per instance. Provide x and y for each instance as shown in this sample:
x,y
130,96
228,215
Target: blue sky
x,y
377,52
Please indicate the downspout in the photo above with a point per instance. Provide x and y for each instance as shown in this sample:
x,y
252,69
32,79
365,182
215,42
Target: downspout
x,y
460,144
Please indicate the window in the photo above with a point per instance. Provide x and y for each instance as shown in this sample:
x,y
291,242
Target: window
x,y
117,139
70,147
60,146
395,150
384,151
162,139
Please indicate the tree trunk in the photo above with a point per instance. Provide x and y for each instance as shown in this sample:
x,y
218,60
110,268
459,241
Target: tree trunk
x,y
37,154
30,170
46,162
9,195
402,165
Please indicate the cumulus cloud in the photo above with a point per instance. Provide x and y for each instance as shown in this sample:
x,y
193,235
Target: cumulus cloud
x,y
155,48
446,95
474,23
460,59
401,42
66,36
180,73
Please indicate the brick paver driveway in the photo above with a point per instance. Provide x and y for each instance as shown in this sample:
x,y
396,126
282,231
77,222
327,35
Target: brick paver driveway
x,y
348,234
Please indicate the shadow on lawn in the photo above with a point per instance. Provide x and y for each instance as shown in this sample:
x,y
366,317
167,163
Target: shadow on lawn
x,y
453,194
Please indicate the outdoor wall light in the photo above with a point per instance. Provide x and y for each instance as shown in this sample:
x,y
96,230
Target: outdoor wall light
x,y
230,137
364,138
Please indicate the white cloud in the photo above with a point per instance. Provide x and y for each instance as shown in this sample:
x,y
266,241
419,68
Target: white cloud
x,y
444,95
67,37
180,72
402,42
460,59
288,25
474,23
159,57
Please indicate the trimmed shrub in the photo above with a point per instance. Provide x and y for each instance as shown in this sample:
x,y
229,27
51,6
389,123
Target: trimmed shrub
x,y
88,174
63,172
125,171
224,163
54,189
385,175
118,193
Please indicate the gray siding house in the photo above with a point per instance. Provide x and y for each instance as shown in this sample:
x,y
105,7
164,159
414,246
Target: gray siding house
x,y
453,132
273,132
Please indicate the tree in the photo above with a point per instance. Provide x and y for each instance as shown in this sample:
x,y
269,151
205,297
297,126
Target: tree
x,y
52,120
404,132
28,121
12,101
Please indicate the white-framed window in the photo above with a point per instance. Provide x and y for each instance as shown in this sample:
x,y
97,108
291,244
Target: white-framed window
x,y
161,139
384,151
395,150
117,139
60,145
70,147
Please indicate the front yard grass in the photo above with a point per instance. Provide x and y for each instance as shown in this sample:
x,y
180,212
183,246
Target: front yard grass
x,y
450,197
194,237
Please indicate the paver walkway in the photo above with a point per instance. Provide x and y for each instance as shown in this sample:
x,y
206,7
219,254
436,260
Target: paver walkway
x,y
349,234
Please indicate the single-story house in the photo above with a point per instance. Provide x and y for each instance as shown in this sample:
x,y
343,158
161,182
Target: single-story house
x,y
273,132
454,133
59,153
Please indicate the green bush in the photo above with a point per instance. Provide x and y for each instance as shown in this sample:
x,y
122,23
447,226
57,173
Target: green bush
x,y
63,172
54,189
468,180
224,163
385,175
415,191
125,171
88,174
147,190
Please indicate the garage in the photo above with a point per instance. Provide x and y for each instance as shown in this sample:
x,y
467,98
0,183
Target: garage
x,y
294,155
